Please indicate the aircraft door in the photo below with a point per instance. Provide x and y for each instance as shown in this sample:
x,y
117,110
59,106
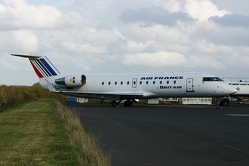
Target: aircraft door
x,y
190,85
134,82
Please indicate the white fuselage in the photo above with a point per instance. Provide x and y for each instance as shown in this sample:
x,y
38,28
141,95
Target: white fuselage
x,y
147,86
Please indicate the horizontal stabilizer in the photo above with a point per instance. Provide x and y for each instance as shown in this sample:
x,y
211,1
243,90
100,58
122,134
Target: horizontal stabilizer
x,y
27,56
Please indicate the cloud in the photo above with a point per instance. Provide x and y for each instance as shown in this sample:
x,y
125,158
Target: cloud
x,y
170,5
158,59
156,33
233,20
19,14
19,40
83,48
202,10
210,48
238,57
26,41
153,15
204,61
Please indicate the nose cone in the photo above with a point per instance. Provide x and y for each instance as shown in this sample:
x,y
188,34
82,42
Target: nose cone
x,y
231,90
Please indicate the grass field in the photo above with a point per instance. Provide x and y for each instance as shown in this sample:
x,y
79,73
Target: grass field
x,y
37,133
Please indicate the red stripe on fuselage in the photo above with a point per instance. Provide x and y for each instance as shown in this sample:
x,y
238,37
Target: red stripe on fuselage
x,y
39,74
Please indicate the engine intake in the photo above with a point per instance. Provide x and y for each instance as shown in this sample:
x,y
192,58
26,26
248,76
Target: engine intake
x,y
71,81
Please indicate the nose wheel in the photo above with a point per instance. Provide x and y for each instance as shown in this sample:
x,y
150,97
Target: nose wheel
x,y
221,102
218,103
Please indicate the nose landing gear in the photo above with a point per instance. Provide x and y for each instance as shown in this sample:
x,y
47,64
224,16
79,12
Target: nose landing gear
x,y
221,102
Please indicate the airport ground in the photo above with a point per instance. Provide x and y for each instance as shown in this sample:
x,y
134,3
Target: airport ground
x,y
169,134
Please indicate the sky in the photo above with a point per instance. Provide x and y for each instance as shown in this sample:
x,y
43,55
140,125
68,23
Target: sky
x,y
132,36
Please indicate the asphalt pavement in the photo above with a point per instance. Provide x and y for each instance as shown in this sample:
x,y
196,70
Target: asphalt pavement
x,y
169,134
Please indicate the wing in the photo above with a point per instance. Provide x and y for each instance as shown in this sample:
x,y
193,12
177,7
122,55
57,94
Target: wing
x,y
103,95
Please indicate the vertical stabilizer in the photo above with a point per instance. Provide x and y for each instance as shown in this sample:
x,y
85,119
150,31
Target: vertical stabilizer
x,y
41,65
43,68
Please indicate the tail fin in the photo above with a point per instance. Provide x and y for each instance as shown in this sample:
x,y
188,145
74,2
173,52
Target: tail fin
x,y
42,66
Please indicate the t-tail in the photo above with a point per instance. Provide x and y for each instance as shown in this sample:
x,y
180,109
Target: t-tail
x,y
43,68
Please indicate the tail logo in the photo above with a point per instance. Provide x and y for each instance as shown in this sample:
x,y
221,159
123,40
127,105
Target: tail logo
x,y
43,67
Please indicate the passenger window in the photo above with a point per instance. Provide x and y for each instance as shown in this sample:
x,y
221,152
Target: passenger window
x,y
103,83
128,82
161,82
154,82
140,82
121,83
115,83
167,82
109,83
147,82
174,82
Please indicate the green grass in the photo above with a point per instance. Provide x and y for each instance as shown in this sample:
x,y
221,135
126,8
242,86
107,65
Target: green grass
x,y
44,132
32,134
88,149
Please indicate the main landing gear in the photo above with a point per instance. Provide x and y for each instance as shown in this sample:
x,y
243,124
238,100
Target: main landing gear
x,y
114,103
127,103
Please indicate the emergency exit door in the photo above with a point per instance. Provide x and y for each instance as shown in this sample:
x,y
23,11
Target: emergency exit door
x,y
134,82
190,85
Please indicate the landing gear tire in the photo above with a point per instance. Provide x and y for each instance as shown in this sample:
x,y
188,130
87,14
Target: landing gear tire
x,y
113,103
218,103
221,102
128,103
225,102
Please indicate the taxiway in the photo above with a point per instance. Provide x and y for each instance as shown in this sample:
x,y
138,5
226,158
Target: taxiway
x,y
169,135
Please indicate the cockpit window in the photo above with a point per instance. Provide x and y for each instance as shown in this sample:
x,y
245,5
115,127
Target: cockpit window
x,y
211,79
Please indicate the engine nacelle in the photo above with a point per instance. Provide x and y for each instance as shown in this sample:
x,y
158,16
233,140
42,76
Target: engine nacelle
x,y
72,81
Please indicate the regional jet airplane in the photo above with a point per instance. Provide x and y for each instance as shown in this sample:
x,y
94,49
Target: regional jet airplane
x,y
130,86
